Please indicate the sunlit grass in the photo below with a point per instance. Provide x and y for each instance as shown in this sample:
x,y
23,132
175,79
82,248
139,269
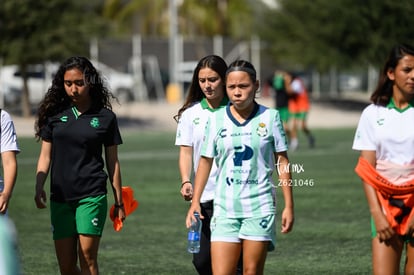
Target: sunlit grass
x,y
331,234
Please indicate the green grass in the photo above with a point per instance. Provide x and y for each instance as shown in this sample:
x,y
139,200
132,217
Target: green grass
x,y
331,234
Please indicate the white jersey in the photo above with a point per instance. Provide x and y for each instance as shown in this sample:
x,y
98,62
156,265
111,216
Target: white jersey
x,y
8,136
388,132
244,154
190,132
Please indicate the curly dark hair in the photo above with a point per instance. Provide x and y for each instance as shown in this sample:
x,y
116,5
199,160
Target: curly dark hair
x,y
383,92
56,100
214,62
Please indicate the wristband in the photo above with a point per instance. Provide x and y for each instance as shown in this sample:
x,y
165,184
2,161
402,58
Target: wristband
x,y
119,205
187,181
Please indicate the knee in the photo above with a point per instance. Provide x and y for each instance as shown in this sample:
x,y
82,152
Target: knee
x,y
69,269
68,266
249,271
252,269
88,255
88,259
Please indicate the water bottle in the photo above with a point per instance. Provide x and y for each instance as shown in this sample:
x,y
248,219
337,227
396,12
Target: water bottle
x,y
194,234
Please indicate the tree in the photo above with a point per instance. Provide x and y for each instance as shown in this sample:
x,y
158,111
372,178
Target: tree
x,y
147,17
35,31
233,18
324,33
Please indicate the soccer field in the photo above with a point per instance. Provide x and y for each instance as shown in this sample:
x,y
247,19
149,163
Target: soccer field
x,y
331,234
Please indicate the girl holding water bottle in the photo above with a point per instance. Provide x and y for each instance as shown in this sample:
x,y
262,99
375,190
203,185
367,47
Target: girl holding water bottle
x,y
205,96
244,140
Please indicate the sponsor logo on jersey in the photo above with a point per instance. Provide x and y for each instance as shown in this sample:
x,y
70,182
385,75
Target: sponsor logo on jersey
x,y
243,152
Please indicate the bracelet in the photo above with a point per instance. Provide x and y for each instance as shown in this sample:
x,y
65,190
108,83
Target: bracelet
x,y
119,205
187,181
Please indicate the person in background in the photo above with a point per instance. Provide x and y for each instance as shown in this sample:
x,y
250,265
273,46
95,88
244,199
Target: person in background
x,y
9,150
75,122
205,96
298,106
246,141
278,83
385,139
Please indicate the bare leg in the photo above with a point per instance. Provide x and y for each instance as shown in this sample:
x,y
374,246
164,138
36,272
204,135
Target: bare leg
x,y
305,129
386,256
409,261
66,253
254,257
224,257
294,135
88,254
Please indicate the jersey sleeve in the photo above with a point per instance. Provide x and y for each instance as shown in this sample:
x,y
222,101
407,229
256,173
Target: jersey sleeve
x,y
184,134
8,134
364,138
279,135
208,148
113,135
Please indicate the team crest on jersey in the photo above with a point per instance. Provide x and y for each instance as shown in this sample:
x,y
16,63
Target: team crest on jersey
x,y
94,122
261,130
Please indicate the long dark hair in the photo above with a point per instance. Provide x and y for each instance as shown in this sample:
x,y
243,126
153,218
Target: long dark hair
x,y
383,92
56,100
214,62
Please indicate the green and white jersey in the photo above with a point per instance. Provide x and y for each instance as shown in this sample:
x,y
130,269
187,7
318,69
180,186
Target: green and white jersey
x,y
244,155
388,131
190,132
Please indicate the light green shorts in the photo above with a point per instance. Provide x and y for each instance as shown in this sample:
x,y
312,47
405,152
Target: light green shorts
x,y
236,229
86,216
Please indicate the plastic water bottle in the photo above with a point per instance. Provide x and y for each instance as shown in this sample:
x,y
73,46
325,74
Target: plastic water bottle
x,y
194,234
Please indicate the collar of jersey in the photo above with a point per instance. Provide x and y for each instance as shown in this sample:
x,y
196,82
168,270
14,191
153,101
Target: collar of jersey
x,y
391,105
254,112
204,104
75,112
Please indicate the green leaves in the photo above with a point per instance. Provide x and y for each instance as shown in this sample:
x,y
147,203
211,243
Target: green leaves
x,y
342,33
33,31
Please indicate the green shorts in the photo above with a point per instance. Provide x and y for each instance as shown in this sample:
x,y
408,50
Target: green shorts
x,y
234,230
299,116
86,216
405,238
284,114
